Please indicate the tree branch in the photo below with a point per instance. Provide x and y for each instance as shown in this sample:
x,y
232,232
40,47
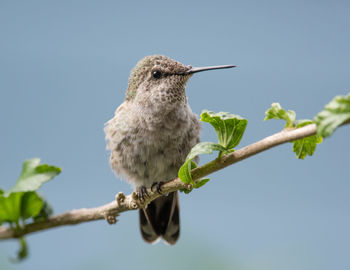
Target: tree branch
x,y
125,203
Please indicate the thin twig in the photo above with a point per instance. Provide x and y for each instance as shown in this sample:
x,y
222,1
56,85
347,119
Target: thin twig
x,y
125,203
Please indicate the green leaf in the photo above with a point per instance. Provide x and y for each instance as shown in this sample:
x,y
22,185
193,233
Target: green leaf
x,y
334,114
184,172
203,148
302,147
186,191
201,182
20,205
22,253
196,184
10,207
34,175
229,127
200,148
21,201
31,205
307,145
1,193
45,211
277,112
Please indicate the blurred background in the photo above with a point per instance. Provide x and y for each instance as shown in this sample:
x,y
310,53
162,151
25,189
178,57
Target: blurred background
x,y
64,67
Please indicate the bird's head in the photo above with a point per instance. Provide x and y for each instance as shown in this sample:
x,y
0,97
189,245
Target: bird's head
x,y
158,79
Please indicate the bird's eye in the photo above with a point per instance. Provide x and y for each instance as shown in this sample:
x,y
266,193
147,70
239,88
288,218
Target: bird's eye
x,y
156,74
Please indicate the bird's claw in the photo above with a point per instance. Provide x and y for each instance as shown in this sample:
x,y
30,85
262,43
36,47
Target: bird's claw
x,y
158,186
142,193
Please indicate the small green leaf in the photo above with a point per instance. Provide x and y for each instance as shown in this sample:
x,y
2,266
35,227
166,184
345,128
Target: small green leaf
x,y
302,147
34,175
334,114
277,112
229,127
22,253
20,205
203,148
200,148
303,123
1,193
31,205
10,207
307,145
45,211
184,172
201,182
186,191
196,184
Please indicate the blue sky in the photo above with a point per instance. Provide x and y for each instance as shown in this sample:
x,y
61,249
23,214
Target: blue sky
x,y
64,67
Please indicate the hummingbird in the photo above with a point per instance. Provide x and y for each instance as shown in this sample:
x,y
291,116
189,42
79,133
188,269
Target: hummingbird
x,y
150,135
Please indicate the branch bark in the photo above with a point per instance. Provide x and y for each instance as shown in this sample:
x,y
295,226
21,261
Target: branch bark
x,y
124,203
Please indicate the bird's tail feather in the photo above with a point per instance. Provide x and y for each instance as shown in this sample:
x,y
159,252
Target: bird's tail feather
x,y
161,219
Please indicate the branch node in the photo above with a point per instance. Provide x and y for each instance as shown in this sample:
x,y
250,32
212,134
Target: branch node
x,y
135,201
120,197
111,219
134,196
133,205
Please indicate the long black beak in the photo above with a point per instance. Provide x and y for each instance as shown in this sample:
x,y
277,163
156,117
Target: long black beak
x,y
200,69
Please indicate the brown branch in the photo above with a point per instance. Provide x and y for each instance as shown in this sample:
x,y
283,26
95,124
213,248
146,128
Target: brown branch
x,y
125,203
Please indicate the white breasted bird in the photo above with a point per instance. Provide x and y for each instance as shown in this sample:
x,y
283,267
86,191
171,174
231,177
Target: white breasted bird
x,y
150,136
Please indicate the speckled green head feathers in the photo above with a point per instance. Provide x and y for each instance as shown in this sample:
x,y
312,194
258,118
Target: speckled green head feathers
x,y
150,67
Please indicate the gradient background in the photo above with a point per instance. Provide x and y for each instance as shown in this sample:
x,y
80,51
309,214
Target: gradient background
x,y
64,67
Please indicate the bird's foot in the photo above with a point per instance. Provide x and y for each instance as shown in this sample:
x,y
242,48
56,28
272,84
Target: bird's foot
x,y
141,193
158,186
